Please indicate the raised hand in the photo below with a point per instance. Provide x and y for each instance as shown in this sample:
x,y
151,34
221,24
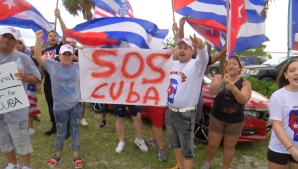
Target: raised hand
x,y
175,28
39,35
182,22
197,42
57,13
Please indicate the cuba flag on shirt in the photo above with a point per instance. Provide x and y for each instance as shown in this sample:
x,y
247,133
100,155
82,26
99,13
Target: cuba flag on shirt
x,y
294,37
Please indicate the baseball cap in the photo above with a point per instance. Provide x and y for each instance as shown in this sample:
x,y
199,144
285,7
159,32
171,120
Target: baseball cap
x,y
22,40
187,41
11,31
66,48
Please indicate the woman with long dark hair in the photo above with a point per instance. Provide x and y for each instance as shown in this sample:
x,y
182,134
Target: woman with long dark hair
x,y
231,92
284,115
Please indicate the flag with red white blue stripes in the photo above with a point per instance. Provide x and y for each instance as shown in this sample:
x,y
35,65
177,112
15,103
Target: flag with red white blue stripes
x,y
112,8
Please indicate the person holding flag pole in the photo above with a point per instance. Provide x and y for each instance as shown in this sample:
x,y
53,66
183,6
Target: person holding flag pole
x,y
52,52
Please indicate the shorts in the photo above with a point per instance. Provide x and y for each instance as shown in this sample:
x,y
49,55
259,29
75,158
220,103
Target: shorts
x,y
180,129
14,136
280,158
120,110
227,129
157,115
104,107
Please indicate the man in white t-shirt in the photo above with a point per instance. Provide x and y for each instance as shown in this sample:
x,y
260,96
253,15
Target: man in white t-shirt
x,y
186,78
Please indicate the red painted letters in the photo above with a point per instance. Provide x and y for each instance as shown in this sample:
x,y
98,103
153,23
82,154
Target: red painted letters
x,y
96,57
115,97
132,96
155,97
156,69
132,93
125,61
96,89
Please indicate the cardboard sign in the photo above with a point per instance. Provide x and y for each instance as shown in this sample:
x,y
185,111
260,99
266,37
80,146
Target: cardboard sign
x,y
125,76
12,92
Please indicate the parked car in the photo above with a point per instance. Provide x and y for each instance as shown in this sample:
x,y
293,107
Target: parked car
x,y
246,60
267,71
257,125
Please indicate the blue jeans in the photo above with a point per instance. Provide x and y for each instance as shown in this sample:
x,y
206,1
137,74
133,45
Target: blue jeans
x,y
180,130
62,117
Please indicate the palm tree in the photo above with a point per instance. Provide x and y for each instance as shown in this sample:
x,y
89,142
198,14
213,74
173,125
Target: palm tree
x,y
76,6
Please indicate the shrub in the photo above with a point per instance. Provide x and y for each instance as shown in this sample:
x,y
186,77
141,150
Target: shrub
x,y
266,88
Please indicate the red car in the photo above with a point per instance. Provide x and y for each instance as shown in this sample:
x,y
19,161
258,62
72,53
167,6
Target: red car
x,y
257,125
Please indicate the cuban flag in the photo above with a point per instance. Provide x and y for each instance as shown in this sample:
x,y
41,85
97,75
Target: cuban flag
x,y
203,9
209,19
112,8
246,26
124,32
20,13
294,38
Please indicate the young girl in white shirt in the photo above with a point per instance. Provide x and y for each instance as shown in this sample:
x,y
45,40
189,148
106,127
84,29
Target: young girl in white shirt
x,y
284,115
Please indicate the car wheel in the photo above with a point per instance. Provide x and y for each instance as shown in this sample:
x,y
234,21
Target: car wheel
x,y
202,128
213,71
267,79
96,107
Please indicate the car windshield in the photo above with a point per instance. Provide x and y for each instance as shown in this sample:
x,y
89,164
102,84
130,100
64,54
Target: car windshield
x,y
207,80
274,61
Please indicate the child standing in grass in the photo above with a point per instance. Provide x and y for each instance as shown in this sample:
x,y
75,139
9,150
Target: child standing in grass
x,y
65,80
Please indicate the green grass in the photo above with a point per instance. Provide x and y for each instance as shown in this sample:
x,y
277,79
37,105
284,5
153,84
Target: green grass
x,y
98,147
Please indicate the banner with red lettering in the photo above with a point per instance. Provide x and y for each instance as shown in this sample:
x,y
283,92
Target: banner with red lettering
x,y
125,76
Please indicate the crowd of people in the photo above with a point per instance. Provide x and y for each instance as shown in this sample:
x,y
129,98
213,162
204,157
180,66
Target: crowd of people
x,y
58,66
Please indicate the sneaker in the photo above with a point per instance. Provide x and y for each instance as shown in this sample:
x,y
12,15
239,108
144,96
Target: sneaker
x,y
206,166
26,167
120,147
153,143
162,155
36,118
175,167
83,122
11,166
170,146
31,131
50,132
102,124
141,144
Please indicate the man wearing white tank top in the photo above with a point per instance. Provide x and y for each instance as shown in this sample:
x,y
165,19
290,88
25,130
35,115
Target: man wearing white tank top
x,y
186,78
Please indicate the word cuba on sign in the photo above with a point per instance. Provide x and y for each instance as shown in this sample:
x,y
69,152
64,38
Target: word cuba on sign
x,y
125,76
12,92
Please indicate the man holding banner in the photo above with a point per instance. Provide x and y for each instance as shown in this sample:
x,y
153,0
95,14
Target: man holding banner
x,y
14,111
186,78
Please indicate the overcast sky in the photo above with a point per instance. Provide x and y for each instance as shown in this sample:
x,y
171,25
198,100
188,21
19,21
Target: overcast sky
x,y
160,13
